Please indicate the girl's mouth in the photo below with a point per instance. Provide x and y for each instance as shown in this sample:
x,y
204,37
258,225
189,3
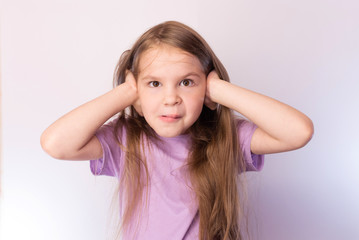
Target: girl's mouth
x,y
170,118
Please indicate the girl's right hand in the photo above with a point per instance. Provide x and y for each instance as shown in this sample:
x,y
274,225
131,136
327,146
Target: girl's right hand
x,y
130,80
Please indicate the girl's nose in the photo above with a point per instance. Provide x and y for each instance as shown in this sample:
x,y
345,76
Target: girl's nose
x,y
171,97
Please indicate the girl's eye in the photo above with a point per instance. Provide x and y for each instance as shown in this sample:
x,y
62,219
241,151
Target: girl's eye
x,y
154,84
186,82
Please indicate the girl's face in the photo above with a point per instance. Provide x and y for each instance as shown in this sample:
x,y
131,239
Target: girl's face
x,y
171,86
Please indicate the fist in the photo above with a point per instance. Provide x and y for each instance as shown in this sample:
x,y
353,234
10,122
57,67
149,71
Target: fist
x,y
208,100
130,80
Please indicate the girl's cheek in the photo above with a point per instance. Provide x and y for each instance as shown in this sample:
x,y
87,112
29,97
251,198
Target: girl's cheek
x,y
197,96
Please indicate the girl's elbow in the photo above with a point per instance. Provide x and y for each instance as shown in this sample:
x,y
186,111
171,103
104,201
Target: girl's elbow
x,y
305,134
309,130
50,146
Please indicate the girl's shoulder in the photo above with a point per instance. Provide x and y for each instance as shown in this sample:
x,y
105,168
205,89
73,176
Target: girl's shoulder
x,y
244,125
245,130
111,130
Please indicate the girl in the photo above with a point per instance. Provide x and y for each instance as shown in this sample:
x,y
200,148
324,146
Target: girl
x,y
175,146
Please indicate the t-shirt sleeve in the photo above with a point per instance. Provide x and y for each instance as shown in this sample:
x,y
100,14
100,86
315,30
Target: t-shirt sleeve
x,y
254,162
110,162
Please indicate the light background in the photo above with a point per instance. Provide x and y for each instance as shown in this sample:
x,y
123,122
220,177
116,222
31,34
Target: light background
x,y
56,55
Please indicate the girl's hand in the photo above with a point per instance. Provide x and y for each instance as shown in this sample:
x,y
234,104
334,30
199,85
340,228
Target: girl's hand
x,y
209,98
73,136
130,80
280,127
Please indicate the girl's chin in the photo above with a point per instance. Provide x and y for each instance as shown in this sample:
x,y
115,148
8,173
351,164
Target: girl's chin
x,y
168,133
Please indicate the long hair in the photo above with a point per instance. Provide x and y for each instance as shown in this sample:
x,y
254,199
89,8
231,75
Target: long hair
x,y
214,161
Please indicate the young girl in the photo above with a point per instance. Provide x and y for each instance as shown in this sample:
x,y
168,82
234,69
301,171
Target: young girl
x,y
176,146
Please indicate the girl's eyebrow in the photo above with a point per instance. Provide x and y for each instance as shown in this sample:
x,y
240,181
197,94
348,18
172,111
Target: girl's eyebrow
x,y
151,77
192,74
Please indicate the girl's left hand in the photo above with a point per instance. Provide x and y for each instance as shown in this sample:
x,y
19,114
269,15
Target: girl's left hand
x,y
208,100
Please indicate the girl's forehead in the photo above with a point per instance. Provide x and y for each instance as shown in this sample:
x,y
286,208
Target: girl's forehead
x,y
162,55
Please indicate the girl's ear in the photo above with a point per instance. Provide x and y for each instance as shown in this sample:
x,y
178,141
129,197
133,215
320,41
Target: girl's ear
x,y
210,104
137,106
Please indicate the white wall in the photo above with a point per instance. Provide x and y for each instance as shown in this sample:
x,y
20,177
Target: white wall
x,y
56,55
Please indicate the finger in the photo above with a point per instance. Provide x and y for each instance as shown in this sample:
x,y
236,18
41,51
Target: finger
x,y
130,76
212,74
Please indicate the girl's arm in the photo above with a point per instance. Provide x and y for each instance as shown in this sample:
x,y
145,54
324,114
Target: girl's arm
x,y
280,127
72,137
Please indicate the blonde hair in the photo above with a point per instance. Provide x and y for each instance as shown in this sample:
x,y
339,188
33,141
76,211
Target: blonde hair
x,y
214,161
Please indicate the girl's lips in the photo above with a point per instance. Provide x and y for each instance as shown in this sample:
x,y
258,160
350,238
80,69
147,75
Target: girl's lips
x,y
170,118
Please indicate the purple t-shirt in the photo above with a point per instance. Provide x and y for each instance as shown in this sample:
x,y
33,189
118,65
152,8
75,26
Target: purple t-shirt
x,y
172,211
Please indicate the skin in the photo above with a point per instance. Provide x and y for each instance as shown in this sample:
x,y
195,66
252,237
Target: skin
x,y
171,104
171,90
281,127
